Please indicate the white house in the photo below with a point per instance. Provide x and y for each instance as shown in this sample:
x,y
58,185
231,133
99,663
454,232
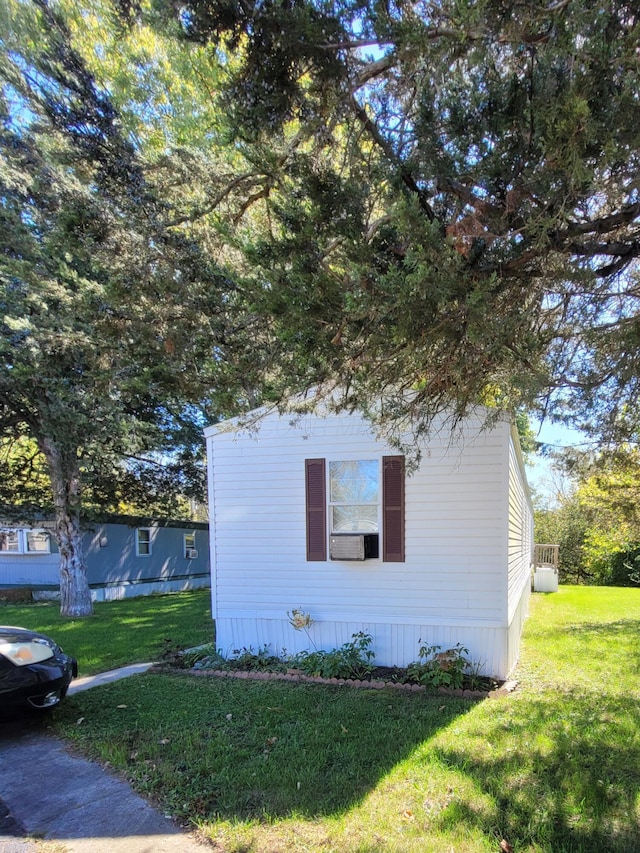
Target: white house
x,y
317,514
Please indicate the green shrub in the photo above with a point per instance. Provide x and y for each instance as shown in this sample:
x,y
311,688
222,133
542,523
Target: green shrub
x,y
440,669
625,568
352,660
262,660
206,656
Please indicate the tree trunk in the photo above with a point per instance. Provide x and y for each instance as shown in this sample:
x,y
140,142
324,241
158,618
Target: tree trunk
x,y
75,595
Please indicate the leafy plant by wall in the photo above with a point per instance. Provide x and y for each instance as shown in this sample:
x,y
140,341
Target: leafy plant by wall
x,y
354,659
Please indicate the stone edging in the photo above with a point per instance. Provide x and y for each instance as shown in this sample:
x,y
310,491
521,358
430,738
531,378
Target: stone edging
x,y
504,690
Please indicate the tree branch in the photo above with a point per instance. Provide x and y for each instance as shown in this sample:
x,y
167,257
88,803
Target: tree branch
x,y
215,202
407,178
616,249
353,44
374,69
602,225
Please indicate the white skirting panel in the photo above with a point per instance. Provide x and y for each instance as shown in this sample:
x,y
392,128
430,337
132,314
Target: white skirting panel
x,y
394,645
515,629
116,592
135,590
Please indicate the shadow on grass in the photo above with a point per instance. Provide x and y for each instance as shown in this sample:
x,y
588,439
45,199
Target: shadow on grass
x,y
563,772
627,629
226,749
621,637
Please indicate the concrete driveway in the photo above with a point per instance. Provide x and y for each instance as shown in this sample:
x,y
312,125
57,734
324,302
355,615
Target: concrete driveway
x,y
52,801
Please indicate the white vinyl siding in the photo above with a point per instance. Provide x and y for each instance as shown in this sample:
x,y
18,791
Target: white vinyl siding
x,y
520,550
452,585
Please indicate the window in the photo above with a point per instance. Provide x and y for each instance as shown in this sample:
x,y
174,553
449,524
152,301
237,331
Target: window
x,y
38,541
354,496
364,496
190,551
23,541
143,542
10,542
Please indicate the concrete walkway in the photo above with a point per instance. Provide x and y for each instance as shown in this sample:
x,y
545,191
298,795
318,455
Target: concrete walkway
x,y
52,801
88,681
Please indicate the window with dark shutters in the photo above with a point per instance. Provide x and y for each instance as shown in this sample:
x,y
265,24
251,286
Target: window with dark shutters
x,y
393,475
315,483
393,509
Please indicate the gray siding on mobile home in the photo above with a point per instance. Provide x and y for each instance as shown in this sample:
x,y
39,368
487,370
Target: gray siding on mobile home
x,y
115,566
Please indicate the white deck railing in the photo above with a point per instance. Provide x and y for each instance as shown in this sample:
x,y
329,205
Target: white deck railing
x,y
546,556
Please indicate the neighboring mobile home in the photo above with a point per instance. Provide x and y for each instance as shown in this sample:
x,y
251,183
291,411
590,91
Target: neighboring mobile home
x,y
316,514
125,557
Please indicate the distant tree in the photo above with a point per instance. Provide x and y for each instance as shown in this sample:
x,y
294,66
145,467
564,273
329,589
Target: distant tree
x,y
528,441
567,526
164,486
597,525
610,485
609,495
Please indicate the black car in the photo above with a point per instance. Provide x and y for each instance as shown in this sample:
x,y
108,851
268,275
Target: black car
x,y
34,671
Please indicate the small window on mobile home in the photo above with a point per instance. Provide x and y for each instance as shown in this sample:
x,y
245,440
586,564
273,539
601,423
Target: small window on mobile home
x,y
143,542
354,496
364,498
24,541
9,542
37,542
190,551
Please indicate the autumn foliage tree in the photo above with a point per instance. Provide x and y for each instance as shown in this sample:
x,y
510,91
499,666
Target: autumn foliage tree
x,y
596,521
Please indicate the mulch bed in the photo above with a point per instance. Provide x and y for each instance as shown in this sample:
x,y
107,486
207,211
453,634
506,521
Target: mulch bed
x,y
381,677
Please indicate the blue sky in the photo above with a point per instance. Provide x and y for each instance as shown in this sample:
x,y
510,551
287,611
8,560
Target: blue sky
x,y
539,471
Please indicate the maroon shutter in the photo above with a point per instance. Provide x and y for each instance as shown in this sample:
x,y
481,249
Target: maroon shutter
x,y
315,482
393,509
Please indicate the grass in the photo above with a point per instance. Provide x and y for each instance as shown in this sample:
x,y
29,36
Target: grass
x,y
270,766
584,639
120,632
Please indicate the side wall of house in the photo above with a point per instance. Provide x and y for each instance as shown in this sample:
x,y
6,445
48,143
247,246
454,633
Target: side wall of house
x,y
115,570
451,588
520,549
30,570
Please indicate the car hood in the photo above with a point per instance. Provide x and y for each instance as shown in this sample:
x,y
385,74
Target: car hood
x,y
12,634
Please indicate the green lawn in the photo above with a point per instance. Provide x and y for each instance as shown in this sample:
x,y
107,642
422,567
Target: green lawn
x,y
274,766
120,632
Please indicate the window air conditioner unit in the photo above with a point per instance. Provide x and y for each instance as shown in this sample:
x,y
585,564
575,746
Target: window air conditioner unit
x,y
191,553
353,546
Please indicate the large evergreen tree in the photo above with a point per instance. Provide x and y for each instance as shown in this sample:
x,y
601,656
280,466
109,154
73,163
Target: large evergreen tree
x,y
110,317
425,206
444,198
